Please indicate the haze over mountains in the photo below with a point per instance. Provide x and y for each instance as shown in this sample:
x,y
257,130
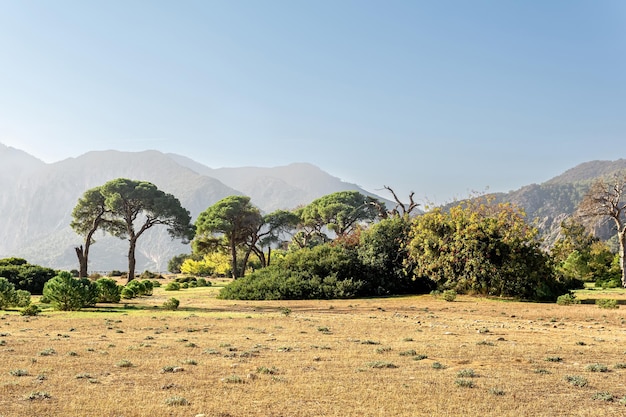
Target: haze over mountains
x,y
37,198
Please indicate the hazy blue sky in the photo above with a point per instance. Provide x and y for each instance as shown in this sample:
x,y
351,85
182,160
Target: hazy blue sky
x,y
440,97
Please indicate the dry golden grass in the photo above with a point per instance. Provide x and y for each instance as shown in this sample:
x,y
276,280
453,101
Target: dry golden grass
x,y
324,358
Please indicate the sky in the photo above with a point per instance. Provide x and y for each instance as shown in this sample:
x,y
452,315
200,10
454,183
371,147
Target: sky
x,y
444,98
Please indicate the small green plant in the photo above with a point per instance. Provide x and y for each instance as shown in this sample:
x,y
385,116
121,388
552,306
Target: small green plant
x,y
172,286
410,352
171,304
176,401
419,357
171,369
189,362
466,373
606,303
234,379
383,349
47,352
265,370
449,295
620,365
437,365
577,381
567,299
37,395
124,363
603,396
542,371
31,310
19,372
554,359
380,365
496,391
597,367
464,383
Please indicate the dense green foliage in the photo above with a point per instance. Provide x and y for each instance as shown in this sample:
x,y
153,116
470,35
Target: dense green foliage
x,y
325,271
108,290
482,248
25,276
7,293
67,293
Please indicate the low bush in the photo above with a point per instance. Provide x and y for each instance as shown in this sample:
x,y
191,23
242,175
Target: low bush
x,y
567,299
171,304
68,293
172,286
108,290
30,310
606,303
449,295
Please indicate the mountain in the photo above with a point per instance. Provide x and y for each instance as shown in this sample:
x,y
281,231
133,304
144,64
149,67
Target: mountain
x,y
37,200
549,203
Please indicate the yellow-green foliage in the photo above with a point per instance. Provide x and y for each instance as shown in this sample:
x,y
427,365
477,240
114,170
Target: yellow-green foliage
x,y
214,263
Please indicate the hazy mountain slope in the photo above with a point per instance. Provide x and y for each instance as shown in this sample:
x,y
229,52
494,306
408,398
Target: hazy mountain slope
x,y
283,187
38,215
37,199
553,201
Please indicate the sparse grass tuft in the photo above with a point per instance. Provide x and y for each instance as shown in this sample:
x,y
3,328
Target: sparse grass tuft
x,y
37,395
19,372
577,381
603,396
464,383
176,401
597,367
380,365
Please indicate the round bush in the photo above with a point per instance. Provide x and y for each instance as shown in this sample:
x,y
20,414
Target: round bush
x,y
108,290
68,293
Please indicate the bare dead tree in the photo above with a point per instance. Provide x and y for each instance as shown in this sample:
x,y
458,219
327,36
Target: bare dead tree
x,y
402,208
603,201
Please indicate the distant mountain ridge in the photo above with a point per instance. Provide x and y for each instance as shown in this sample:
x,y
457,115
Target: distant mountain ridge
x,y
37,199
548,204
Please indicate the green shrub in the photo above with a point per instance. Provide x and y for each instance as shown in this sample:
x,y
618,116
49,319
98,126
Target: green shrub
x,y
171,304
149,286
449,295
172,286
7,293
116,273
30,310
127,293
22,298
567,299
202,282
68,293
108,290
25,276
138,287
606,303
155,283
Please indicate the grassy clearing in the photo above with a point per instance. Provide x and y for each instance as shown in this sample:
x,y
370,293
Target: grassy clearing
x,y
324,358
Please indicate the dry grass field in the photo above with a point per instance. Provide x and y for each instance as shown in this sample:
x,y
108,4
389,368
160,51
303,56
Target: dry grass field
x,y
406,356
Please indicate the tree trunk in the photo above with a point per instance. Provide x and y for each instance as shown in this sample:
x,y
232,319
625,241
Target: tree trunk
x,y
621,236
233,257
82,261
131,259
